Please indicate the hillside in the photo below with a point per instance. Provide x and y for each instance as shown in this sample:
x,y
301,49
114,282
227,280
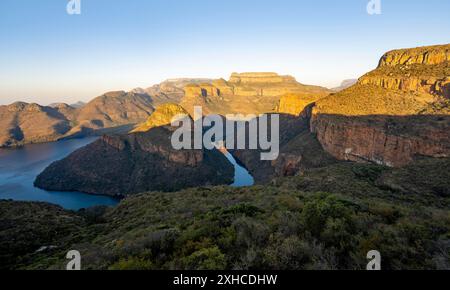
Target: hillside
x,y
110,110
394,113
22,123
328,218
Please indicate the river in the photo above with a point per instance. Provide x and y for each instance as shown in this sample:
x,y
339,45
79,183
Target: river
x,y
19,168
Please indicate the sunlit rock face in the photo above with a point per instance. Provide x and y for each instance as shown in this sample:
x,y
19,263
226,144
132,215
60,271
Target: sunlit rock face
x,y
295,104
393,114
163,115
246,93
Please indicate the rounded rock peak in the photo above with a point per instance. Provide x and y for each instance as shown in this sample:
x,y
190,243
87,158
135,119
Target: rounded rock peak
x,y
162,116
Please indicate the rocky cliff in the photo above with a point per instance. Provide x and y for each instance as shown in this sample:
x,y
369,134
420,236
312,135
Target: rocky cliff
x,y
246,93
393,114
295,104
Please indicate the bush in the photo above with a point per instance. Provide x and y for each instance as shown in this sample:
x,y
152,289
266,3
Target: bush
x,y
205,259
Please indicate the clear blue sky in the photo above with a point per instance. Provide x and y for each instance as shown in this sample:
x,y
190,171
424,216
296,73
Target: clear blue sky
x,y
47,55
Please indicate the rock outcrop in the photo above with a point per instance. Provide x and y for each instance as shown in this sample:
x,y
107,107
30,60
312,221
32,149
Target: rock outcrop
x,y
162,116
120,165
245,93
295,104
393,114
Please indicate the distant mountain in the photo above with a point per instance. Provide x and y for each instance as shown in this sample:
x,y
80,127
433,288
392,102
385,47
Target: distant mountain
x,y
345,84
112,109
78,105
171,90
246,93
119,111
22,123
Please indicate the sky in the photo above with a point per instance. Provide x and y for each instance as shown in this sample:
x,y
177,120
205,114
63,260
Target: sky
x,y
47,55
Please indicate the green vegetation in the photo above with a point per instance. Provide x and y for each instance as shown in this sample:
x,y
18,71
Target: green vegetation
x,y
328,218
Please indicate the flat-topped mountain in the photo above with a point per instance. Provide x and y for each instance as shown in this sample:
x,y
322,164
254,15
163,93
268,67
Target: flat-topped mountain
x,y
260,77
246,93
394,113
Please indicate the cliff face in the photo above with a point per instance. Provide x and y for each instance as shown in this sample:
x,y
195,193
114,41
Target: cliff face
x,y
394,113
299,151
246,93
134,163
295,104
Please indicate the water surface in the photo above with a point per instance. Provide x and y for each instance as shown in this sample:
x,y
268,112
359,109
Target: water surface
x,y
242,177
19,168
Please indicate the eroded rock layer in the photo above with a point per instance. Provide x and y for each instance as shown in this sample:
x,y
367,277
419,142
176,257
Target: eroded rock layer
x,y
393,114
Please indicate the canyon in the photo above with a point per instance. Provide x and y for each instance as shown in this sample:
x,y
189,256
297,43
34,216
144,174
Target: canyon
x,y
388,118
120,165
359,168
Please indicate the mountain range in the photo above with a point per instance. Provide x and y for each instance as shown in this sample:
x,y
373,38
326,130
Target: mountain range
x,y
360,168
119,111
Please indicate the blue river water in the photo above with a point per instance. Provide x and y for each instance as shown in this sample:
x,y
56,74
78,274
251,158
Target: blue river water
x,y
242,177
19,168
